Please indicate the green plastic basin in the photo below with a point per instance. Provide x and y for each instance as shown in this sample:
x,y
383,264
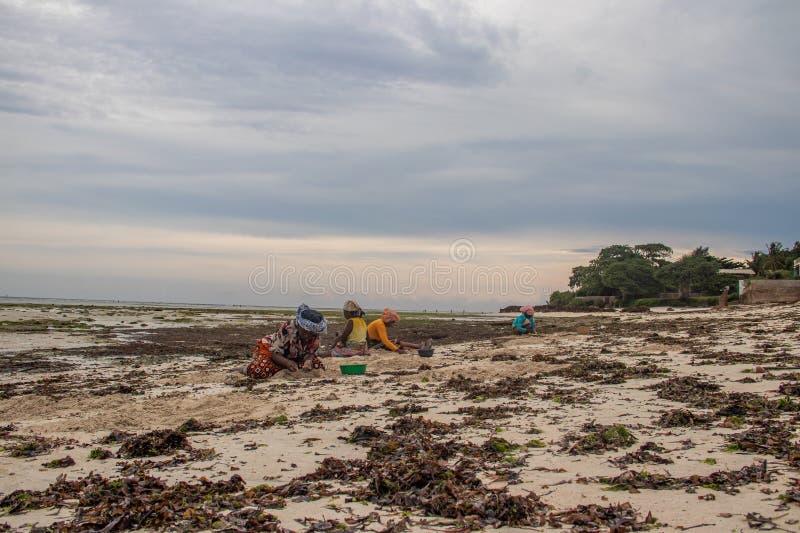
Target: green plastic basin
x,y
353,369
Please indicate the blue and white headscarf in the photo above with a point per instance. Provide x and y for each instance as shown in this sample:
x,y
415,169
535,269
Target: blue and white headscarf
x,y
311,320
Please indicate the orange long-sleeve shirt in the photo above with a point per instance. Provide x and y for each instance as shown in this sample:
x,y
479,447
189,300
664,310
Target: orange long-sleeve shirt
x,y
377,332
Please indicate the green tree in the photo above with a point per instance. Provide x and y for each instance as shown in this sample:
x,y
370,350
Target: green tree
x,y
644,260
632,278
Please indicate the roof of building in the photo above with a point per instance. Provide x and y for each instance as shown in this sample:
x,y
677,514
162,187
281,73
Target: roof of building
x,y
737,271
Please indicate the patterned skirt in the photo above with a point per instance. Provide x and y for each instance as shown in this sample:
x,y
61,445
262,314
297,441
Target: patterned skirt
x,y
262,366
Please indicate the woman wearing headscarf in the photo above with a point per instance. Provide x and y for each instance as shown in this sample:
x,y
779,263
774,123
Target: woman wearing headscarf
x,y
378,337
525,322
293,346
353,339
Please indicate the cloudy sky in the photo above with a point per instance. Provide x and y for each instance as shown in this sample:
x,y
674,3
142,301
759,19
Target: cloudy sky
x,y
209,151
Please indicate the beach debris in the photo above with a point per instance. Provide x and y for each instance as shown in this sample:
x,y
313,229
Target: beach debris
x,y
30,447
365,434
320,413
789,389
725,480
64,462
406,409
690,390
566,395
158,442
606,371
410,469
194,426
647,453
617,518
100,453
515,387
598,439
478,415
682,418
116,437
768,438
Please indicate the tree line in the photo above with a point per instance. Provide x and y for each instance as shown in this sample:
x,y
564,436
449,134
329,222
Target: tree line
x,y
645,271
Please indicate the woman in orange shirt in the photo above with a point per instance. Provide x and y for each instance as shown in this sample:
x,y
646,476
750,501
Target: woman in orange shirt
x,y
378,337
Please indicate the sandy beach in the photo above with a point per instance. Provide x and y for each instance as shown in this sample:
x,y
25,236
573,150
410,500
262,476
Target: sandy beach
x,y
668,419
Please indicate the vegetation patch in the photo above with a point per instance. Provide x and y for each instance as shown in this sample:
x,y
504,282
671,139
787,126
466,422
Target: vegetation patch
x,y
599,439
159,442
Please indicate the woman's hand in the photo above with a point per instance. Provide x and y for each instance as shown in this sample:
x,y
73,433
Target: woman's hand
x,y
291,366
308,364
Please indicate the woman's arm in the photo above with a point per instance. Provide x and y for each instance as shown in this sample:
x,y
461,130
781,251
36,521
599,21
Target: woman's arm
x,y
348,328
385,338
283,362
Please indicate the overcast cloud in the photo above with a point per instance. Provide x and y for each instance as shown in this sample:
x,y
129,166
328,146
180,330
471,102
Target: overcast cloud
x,y
538,130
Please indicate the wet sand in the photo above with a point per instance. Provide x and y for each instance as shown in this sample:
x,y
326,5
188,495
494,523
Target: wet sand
x,y
518,431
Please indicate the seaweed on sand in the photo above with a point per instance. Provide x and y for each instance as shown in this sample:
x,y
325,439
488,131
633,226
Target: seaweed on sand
x,y
567,396
158,442
320,413
411,470
30,447
64,462
682,418
517,387
647,453
690,390
406,409
726,480
599,439
619,517
769,438
478,415
607,371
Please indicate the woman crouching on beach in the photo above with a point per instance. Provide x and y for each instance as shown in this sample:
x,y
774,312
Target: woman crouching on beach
x,y
377,337
293,346
525,323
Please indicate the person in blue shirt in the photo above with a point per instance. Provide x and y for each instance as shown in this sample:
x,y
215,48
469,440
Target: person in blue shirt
x,y
524,323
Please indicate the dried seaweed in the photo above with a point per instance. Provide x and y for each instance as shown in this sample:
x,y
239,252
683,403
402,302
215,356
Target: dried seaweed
x,y
590,518
607,371
517,387
647,453
64,462
769,438
319,413
30,447
726,480
599,439
407,409
567,396
682,418
690,390
411,470
158,442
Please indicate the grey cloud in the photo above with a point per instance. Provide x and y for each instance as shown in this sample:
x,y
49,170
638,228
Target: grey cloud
x,y
290,57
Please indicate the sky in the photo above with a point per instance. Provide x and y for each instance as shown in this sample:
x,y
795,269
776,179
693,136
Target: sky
x,y
420,154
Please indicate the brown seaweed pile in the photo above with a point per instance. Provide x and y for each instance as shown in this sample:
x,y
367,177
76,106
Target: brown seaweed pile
x,y
647,453
147,502
592,369
320,413
153,443
410,469
690,390
590,518
768,438
599,439
726,480
682,418
518,387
